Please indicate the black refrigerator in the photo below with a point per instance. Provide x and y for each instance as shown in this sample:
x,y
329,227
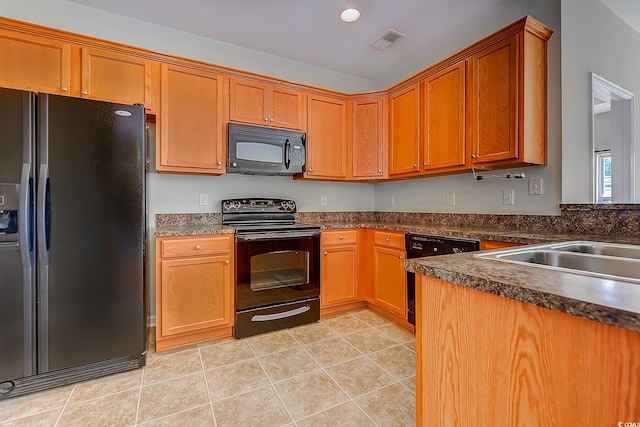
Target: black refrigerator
x,y
72,234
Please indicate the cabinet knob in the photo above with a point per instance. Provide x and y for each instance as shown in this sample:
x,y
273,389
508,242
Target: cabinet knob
x,y
415,165
227,262
198,247
310,170
84,92
386,239
326,253
266,119
341,237
271,119
473,156
64,88
400,257
219,163
379,170
424,163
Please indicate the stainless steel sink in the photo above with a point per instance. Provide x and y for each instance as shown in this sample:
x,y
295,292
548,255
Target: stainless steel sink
x,y
608,249
604,260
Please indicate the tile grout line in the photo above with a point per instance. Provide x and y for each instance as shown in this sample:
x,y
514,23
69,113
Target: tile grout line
x,y
65,404
206,384
271,382
135,423
335,382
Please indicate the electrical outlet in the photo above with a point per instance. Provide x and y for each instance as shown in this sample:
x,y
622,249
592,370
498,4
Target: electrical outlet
x,y
391,200
535,186
451,198
204,199
323,200
508,197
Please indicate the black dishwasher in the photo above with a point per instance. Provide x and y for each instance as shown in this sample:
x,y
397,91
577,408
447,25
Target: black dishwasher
x,y
423,245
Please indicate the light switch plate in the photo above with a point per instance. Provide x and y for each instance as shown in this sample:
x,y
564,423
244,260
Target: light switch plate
x,y
204,199
391,200
508,197
323,200
451,198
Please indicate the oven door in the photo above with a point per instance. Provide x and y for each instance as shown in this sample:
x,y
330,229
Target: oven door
x,y
277,280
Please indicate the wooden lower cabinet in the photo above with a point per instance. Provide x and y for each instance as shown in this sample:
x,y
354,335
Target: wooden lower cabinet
x,y
389,275
502,362
338,269
194,292
486,245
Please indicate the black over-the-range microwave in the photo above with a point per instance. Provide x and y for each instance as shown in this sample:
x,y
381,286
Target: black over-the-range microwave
x,y
261,150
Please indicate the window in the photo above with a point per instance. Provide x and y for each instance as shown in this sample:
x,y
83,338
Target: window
x,y
603,176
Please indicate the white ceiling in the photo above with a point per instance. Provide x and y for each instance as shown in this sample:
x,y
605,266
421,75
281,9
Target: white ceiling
x,y
309,31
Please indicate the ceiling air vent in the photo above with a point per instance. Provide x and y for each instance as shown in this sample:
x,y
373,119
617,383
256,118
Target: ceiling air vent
x,y
387,39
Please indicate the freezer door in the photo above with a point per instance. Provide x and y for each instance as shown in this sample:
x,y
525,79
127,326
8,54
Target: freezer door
x,y
17,300
90,223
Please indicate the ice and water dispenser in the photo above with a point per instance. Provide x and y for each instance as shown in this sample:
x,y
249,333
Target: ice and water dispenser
x,y
9,202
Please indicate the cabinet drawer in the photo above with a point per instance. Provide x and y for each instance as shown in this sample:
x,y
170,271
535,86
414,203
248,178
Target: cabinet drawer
x,y
339,237
195,246
389,239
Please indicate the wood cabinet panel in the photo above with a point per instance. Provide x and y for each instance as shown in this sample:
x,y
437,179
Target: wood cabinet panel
x,y
191,121
444,119
391,239
501,362
116,77
34,63
368,140
390,280
404,146
326,137
494,99
195,294
194,290
263,104
339,275
339,237
486,245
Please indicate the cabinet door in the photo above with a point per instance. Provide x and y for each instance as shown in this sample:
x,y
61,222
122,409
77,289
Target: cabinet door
x,y
191,121
195,294
286,108
368,142
494,102
326,137
248,101
116,77
444,119
34,63
404,148
338,274
390,280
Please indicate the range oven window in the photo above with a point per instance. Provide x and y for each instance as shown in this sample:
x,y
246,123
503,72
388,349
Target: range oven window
x,y
277,269
259,152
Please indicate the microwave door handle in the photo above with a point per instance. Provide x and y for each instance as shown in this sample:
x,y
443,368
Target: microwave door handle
x,y
287,153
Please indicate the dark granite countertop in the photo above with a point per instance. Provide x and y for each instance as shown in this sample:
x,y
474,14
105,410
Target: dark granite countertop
x,y
614,303
192,230
483,233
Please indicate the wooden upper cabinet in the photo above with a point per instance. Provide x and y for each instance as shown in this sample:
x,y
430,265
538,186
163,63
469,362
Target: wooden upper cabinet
x,y
263,104
191,121
326,137
494,102
508,81
368,138
34,63
117,77
444,119
404,146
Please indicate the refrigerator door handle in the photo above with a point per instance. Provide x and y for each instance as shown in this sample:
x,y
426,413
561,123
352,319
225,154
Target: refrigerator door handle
x,y
23,219
41,226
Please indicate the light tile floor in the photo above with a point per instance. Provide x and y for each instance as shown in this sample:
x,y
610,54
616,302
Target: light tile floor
x,y
356,369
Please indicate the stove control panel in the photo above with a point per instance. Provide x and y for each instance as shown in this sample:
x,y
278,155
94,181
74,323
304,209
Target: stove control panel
x,y
266,205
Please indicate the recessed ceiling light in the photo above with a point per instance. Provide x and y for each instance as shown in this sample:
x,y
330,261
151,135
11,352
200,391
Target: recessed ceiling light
x,y
350,15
